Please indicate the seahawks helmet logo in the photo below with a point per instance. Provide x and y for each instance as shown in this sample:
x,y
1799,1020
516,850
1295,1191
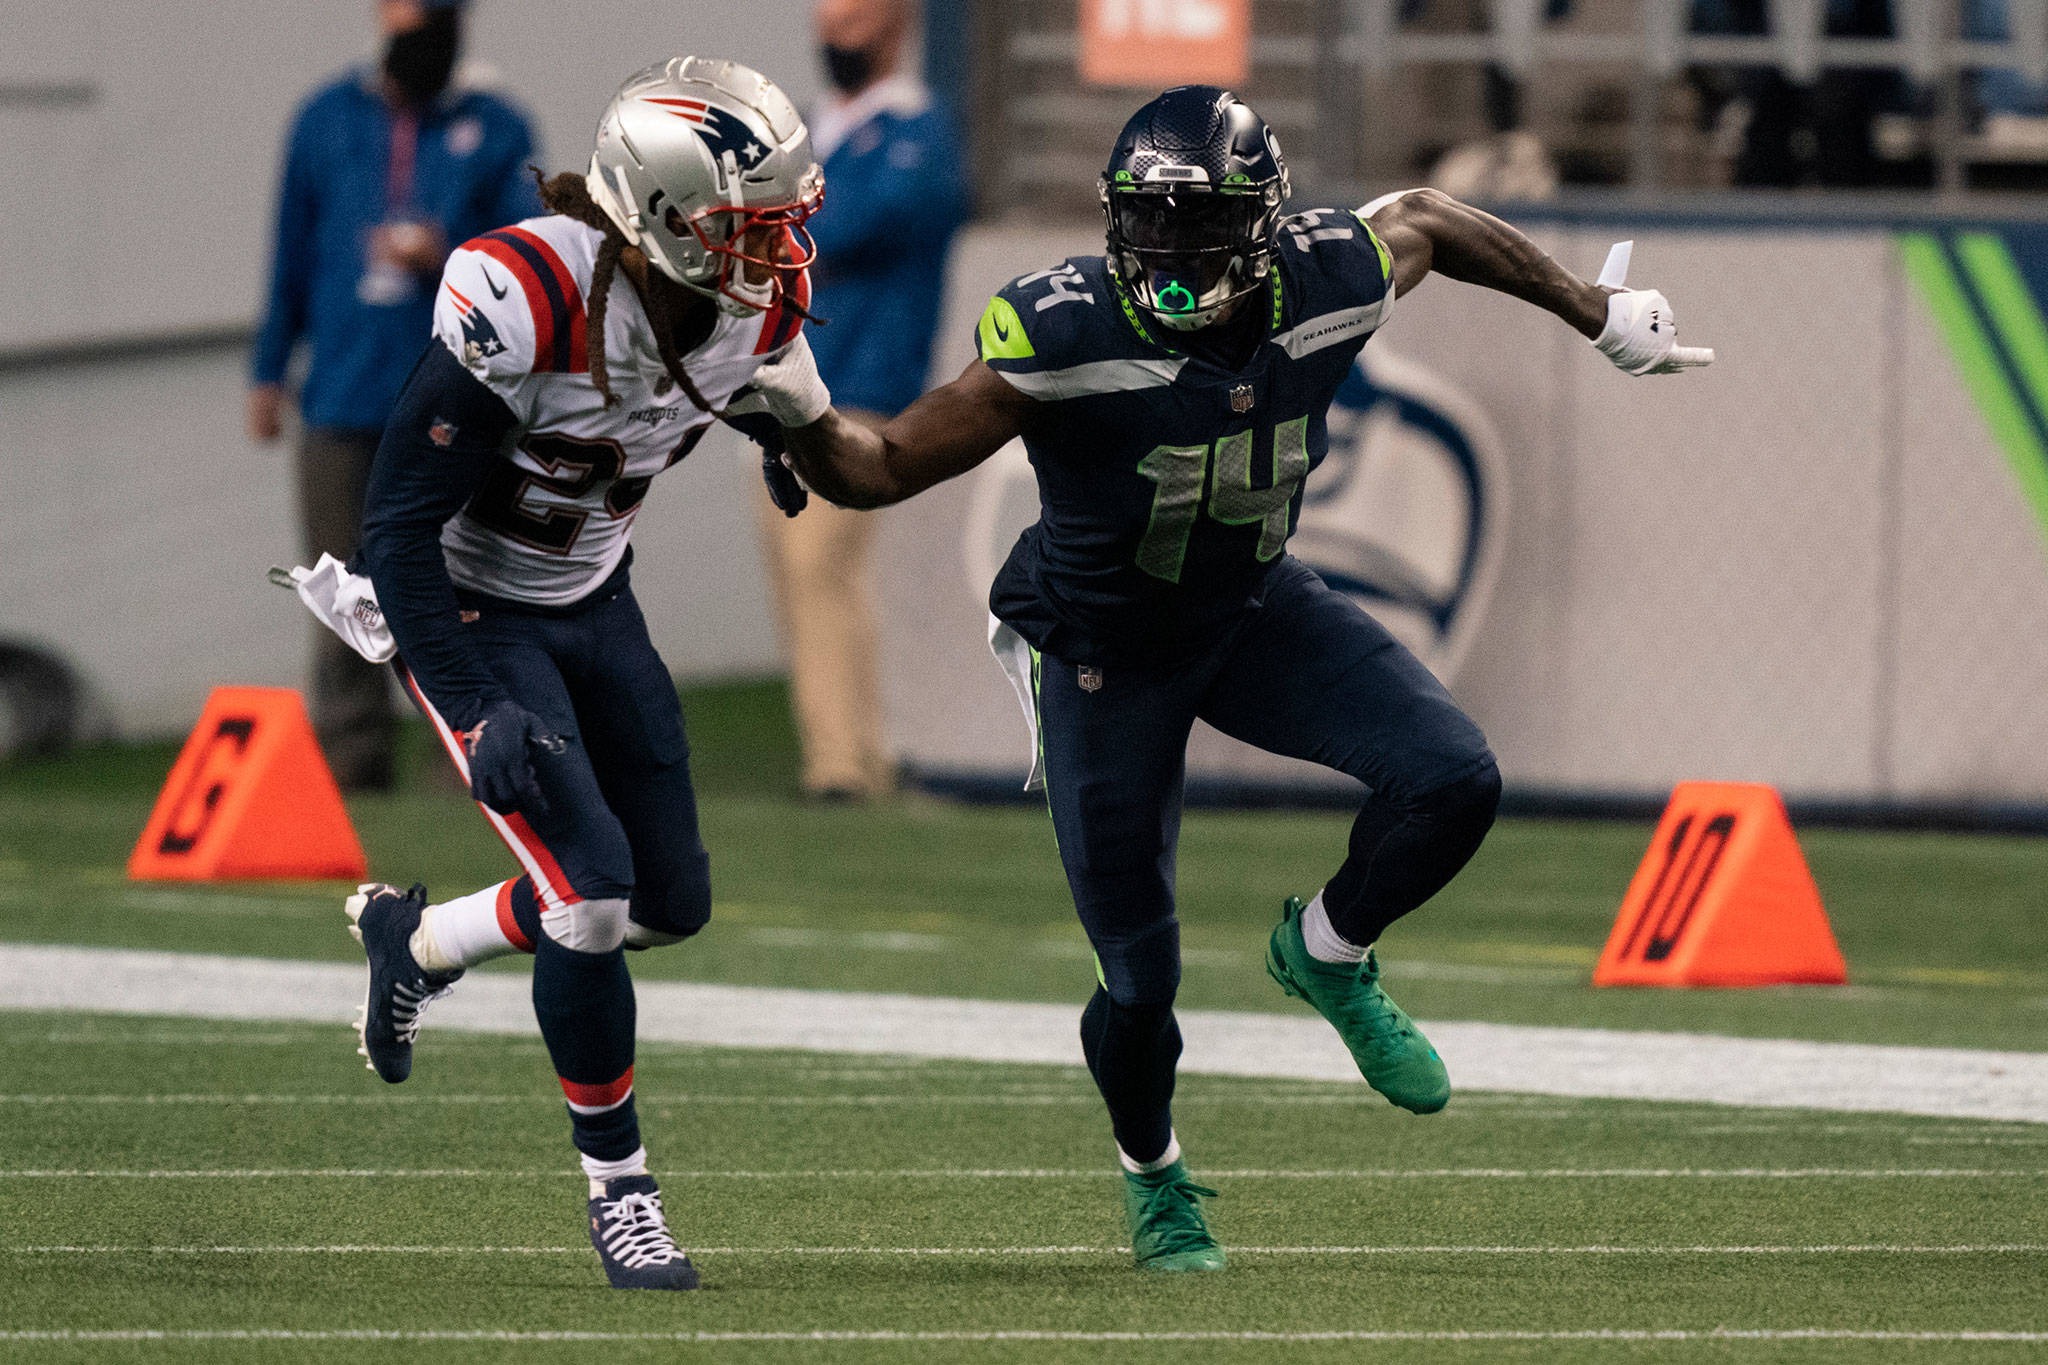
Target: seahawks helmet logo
x,y
720,131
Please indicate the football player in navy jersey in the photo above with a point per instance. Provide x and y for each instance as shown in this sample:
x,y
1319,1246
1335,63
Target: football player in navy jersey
x,y
1173,396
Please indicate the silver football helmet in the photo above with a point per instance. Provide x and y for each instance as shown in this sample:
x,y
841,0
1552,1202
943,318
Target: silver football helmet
x,y
705,166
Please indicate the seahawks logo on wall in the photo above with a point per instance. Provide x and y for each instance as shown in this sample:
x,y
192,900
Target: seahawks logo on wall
x,y
1407,515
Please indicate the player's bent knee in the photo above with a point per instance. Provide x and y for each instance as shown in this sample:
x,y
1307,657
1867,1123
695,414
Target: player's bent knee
x,y
639,937
591,926
672,910
1472,800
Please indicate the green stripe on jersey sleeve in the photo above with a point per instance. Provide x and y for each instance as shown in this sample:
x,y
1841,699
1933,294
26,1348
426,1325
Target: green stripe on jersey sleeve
x,y
1386,256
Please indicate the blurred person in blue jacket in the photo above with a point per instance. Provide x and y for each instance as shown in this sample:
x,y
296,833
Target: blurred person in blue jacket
x,y
386,166
894,196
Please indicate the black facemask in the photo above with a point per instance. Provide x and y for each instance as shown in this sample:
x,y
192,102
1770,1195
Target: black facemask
x,y
848,68
420,61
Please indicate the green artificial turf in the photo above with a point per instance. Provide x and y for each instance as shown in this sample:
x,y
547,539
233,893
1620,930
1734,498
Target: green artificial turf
x,y
870,1194
1943,933
792,1153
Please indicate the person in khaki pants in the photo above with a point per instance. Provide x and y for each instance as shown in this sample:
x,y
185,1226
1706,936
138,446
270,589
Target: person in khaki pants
x,y
895,197
818,573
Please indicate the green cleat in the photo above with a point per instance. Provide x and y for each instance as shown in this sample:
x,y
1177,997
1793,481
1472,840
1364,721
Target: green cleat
x,y
1391,1052
1168,1234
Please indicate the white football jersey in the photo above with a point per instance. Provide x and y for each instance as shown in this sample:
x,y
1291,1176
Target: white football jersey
x,y
551,522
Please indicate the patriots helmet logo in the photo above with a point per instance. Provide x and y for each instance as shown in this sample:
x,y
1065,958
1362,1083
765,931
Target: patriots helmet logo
x,y
720,131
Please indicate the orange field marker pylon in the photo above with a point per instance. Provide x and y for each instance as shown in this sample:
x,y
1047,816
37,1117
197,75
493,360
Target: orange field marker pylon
x,y
249,797
1723,898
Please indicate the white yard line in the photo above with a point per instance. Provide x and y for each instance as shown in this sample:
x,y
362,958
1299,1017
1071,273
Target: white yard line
x,y
1617,1064
1099,1173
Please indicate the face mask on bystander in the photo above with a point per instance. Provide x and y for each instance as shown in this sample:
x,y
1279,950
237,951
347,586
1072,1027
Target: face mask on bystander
x,y
848,68
421,60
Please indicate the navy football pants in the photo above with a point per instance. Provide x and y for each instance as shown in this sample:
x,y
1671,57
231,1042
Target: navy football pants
x,y
621,817
1308,674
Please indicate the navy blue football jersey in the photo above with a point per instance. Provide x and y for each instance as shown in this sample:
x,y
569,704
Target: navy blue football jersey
x,y
1168,485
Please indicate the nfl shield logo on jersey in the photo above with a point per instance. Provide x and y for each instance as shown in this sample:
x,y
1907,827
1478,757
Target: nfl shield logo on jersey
x,y
1241,398
1089,677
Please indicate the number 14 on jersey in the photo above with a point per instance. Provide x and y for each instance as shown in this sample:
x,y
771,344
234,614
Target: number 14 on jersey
x,y
1182,472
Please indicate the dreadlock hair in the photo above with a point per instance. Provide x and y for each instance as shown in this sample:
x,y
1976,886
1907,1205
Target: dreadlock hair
x,y
567,195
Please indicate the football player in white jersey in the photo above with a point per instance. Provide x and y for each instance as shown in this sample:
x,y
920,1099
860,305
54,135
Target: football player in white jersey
x,y
577,356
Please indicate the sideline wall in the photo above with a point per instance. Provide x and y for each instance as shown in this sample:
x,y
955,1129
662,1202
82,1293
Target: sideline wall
x,y
1810,565
146,208
136,522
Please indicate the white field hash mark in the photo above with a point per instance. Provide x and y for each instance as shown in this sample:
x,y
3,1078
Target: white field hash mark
x,y
1052,1173
506,1337
1420,1249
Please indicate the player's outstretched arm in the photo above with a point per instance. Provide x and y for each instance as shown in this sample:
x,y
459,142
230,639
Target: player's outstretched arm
x,y
1426,230
943,434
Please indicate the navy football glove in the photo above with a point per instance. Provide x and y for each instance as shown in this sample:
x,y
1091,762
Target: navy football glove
x,y
500,764
783,489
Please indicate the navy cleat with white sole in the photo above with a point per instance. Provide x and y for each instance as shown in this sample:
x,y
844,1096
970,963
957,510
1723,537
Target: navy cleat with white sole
x,y
382,919
633,1240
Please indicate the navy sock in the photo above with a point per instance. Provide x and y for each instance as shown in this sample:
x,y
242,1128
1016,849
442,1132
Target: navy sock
x,y
526,909
584,1002
1131,1052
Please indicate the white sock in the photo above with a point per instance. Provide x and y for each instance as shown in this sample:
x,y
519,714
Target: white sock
x,y
464,931
1323,941
601,1171
1159,1163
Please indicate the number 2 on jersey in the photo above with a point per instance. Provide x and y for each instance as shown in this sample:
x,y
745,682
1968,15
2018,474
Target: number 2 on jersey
x,y
1181,472
571,467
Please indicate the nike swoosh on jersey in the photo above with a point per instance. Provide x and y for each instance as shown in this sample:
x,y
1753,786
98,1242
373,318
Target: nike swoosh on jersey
x,y
496,292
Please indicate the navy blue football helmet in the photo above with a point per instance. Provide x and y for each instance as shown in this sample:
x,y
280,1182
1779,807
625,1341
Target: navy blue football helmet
x,y
1192,195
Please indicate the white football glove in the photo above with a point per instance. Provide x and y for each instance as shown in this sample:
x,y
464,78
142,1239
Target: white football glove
x,y
344,602
789,388
1641,336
